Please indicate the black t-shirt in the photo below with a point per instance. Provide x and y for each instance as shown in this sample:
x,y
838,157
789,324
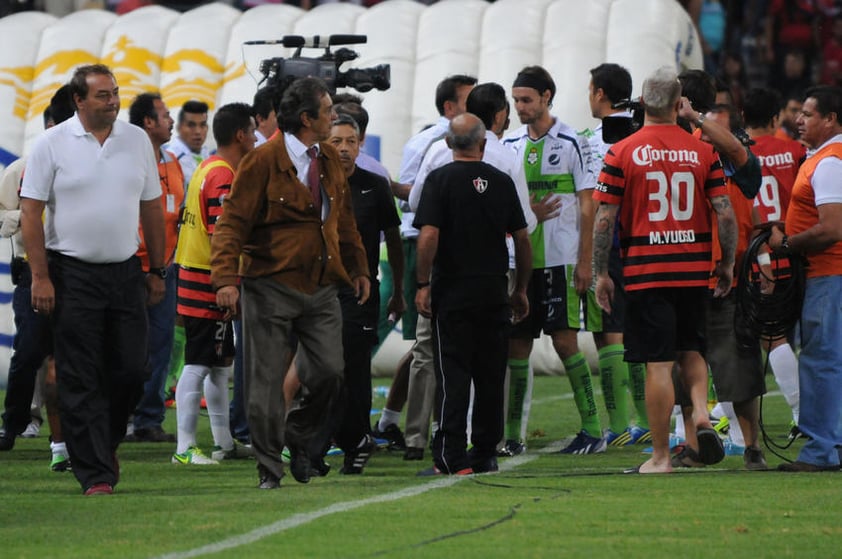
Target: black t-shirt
x,y
474,206
374,211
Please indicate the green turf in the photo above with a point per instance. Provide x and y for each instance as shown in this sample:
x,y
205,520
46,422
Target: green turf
x,y
547,506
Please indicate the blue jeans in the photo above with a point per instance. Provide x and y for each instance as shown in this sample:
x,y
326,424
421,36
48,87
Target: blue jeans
x,y
237,411
151,410
820,371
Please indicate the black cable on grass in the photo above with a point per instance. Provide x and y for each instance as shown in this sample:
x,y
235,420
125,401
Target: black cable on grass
x,y
505,518
769,316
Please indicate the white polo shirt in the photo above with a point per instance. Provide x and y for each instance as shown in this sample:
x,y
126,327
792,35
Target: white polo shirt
x,y
92,191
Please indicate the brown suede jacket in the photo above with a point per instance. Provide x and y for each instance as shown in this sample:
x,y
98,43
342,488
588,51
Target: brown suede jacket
x,y
270,228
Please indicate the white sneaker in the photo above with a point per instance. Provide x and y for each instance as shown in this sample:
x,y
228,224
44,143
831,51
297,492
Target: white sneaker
x,y
32,430
238,451
193,455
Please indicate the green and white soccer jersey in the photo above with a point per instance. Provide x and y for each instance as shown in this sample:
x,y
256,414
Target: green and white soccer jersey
x,y
559,163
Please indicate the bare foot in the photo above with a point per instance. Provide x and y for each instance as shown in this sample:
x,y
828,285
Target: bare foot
x,y
652,467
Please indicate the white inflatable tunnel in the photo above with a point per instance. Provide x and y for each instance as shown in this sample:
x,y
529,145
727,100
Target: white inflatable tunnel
x,y
201,55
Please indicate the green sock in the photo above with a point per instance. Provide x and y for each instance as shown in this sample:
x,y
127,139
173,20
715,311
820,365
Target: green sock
x,y
637,374
614,375
579,375
518,379
176,358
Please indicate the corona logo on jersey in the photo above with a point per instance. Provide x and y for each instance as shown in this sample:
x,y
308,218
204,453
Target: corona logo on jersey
x,y
777,159
645,156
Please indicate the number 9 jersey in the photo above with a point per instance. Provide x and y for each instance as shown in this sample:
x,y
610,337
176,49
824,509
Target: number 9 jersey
x,y
662,178
779,163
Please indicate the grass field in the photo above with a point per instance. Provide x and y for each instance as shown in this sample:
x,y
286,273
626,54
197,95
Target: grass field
x,y
541,504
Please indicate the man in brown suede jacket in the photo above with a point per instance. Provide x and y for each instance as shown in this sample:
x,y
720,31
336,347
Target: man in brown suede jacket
x,y
288,230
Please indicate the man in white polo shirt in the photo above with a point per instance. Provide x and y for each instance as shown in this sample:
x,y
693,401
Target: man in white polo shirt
x,y
96,177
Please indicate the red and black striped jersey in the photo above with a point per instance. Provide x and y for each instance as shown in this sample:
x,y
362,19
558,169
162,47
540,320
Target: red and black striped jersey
x,y
779,163
662,178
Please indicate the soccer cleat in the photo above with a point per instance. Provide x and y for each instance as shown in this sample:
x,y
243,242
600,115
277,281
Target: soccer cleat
x,y
721,425
511,448
392,434
584,444
356,459
32,431
639,435
60,462
733,449
193,455
617,439
237,452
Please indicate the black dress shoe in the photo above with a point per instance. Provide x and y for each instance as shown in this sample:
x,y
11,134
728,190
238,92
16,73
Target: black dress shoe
x,y
413,453
799,467
7,441
299,465
267,480
319,468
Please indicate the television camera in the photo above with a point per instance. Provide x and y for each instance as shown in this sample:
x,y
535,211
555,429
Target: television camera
x,y
279,72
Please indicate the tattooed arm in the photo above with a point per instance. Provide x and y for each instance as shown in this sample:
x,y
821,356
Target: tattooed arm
x,y
727,225
603,237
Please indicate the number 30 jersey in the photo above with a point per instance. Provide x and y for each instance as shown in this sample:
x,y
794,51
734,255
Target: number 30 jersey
x,y
662,178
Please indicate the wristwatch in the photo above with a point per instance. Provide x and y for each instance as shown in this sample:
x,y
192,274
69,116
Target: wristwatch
x,y
160,272
422,284
785,243
701,120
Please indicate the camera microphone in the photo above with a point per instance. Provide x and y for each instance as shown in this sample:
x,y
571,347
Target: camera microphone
x,y
291,41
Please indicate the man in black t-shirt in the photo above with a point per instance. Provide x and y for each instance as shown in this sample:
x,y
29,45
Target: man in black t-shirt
x,y
375,213
467,208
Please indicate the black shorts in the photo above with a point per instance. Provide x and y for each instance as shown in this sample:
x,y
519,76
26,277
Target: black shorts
x,y
209,343
660,322
554,305
613,323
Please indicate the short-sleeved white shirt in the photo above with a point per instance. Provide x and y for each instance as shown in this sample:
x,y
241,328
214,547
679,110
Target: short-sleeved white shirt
x,y
827,177
92,191
413,154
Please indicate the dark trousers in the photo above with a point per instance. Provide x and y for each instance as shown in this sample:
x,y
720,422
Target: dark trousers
x,y
151,411
100,327
32,344
351,420
469,345
273,315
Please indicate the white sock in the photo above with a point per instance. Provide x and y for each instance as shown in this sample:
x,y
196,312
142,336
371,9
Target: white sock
x,y
188,396
216,396
59,448
388,417
785,367
679,422
527,404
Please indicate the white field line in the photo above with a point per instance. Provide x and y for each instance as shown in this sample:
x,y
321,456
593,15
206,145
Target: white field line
x,y
304,518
